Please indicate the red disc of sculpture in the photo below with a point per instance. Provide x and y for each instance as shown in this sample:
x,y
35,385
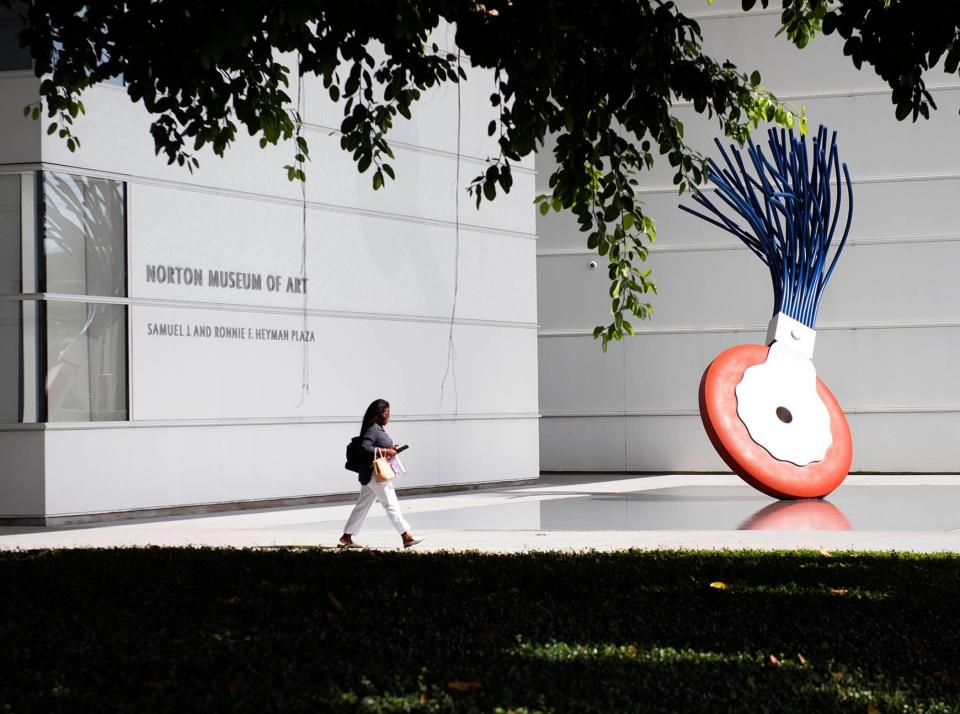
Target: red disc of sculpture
x,y
749,460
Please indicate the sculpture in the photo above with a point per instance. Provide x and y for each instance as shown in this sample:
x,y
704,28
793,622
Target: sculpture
x,y
770,418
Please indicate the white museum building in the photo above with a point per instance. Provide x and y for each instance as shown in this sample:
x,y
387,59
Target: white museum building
x,y
175,341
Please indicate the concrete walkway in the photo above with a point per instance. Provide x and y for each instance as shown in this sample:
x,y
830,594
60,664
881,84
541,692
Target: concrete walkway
x,y
904,513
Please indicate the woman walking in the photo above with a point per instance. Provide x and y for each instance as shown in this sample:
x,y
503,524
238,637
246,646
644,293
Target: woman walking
x,y
376,440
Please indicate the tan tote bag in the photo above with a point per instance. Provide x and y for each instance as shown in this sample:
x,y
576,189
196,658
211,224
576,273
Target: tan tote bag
x,y
382,470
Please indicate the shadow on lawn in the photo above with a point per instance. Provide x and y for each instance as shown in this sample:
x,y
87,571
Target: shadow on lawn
x,y
168,630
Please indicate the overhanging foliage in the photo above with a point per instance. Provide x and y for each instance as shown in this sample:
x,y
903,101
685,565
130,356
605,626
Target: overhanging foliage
x,y
604,80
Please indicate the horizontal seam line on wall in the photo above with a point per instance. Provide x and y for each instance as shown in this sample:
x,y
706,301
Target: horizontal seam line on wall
x,y
429,150
269,198
265,421
725,14
948,409
891,178
724,329
737,245
841,93
265,309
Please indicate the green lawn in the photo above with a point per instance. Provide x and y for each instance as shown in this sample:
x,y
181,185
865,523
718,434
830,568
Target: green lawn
x,y
320,631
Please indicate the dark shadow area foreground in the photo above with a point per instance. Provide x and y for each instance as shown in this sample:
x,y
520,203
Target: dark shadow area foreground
x,y
309,630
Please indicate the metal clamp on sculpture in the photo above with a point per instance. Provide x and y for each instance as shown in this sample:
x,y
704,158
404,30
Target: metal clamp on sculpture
x,y
770,418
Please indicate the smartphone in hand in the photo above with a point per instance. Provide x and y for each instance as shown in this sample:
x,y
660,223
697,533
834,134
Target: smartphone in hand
x,y
403,448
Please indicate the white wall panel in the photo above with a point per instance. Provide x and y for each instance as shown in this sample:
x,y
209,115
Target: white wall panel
x,y
352,361
434,117
906,281
174,226
129,151
871,140
749,40
426,186
906,443
355,262
21,135
664,370
891,208
582,444
571,295
164,466
670,443
371,264
576,376
892,368
21,473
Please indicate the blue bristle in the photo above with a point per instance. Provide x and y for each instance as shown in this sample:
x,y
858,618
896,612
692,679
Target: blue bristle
x,y
784,211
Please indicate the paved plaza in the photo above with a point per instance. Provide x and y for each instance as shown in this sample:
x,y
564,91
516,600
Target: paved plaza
x,y
917,513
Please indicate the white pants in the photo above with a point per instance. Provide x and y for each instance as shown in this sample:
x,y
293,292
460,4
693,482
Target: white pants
x,y
384,493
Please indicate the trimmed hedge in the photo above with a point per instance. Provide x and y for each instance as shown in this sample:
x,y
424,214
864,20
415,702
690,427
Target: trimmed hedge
x,y
318,631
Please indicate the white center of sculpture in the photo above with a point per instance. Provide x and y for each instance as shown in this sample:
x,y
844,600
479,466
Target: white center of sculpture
x,y
778,403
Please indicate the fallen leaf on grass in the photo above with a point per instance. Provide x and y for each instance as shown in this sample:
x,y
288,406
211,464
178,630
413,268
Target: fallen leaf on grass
x,y
838,675
825,552
333,601
801,659
839,591
718,585
458,686
774,660
872,709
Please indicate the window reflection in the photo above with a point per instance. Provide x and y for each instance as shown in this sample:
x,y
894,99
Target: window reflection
x,y
84,235
86,362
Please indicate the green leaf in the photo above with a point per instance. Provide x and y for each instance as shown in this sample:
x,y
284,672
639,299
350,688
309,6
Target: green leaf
x,y
490,190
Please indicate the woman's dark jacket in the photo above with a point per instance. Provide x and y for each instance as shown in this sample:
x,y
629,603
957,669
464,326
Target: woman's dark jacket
x,y
374,436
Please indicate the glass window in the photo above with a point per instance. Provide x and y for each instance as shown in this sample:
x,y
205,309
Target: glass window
x,y
84,235
86,361
10,234
12,55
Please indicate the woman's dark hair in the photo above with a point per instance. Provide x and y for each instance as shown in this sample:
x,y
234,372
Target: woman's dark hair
x,y
373,411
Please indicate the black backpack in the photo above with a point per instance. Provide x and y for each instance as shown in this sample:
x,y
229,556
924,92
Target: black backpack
x,y
357,456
